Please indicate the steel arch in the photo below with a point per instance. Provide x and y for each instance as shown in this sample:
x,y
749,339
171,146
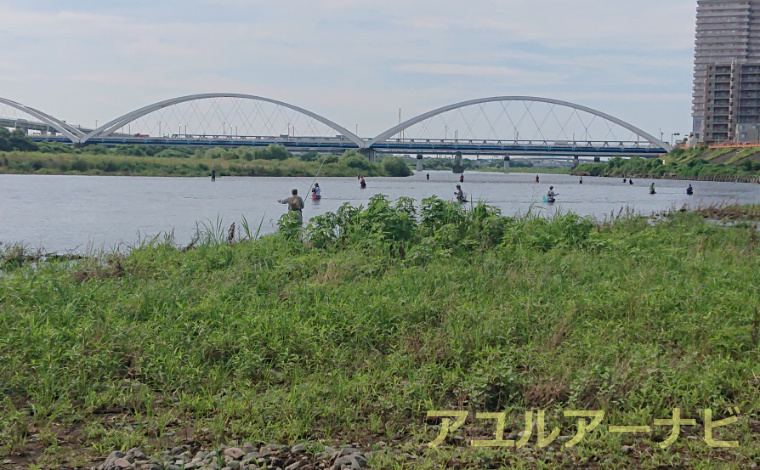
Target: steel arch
x,y
110,127
416,120
70,132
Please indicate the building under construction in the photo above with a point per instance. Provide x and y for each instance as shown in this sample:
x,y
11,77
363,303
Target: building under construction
x,y
726,104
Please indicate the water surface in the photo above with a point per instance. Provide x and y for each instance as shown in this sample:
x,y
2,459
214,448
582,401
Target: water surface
x,y
63,213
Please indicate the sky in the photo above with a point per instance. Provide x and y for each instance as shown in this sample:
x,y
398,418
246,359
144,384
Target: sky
x,y
355,62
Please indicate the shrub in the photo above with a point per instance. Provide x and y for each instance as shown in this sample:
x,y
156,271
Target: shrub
x,y
353,159
272,152
228,155
172,153
54,147
395,166
214,153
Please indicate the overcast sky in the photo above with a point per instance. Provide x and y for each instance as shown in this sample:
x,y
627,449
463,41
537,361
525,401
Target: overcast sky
x,y
353,61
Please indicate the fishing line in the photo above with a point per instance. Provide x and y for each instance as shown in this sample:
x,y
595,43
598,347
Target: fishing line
x,y
316,176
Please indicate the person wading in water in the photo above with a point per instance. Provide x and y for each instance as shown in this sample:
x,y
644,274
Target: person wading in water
x,y
459,194
295,204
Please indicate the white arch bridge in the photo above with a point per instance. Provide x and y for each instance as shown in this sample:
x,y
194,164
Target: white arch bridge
x,y
501,125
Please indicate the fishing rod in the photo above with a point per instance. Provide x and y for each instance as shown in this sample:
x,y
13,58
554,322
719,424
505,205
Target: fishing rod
x,y
316,176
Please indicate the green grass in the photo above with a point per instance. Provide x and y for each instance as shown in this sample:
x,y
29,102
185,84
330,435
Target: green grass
x,y
231,165
712,155
673,165
343,338
742,155
542,170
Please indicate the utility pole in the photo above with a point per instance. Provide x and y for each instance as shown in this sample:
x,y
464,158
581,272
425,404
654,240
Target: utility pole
x,y
672,138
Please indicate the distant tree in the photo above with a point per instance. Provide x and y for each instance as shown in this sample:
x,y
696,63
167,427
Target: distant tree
x,y
96,149
309,156
5,143
354,159
395,166
15,140
272,152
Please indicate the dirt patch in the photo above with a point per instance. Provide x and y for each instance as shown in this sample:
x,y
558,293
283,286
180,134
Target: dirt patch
x,y
734,213
113,268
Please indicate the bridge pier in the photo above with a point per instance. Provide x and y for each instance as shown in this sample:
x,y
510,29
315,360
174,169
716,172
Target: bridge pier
x,y
458,167
419,162
576,161
506,164
371,154
597,159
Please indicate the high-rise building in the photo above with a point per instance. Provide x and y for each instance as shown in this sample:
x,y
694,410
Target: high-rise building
x,y
726,69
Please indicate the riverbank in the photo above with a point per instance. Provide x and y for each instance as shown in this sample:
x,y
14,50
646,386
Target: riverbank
x,y
680,165
228,163
350,335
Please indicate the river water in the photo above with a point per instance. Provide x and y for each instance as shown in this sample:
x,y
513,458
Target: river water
x,y
80,213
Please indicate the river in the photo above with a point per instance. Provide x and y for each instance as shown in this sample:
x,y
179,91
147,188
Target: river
x,y
81,213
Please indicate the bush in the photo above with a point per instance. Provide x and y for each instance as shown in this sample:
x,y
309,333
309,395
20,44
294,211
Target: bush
x,y
96,149
172,153
230,155
272,152
309,156
353,159
214,153
395,166
54,147
245,153
130,150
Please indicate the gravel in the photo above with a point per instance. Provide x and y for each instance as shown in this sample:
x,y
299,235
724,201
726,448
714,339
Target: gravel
x,y
245,457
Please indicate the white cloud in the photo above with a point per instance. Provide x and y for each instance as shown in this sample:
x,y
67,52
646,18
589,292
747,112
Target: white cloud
x,y
518,76
351,60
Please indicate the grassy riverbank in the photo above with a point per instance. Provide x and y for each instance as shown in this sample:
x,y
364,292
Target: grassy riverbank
x,y
489,165
134,161
697,164
355,335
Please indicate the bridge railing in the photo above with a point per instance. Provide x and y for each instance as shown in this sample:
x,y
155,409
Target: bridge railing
x,y
523,143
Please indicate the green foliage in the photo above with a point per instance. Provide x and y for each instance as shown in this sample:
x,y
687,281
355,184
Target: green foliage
x,y
309,156
681,163
354,159
15,140
373,316
272,152
102,150
471,165
175,152
328,159
131,150
289,225
54,147
395,166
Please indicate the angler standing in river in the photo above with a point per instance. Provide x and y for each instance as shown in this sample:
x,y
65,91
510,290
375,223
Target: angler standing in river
x,y
295,204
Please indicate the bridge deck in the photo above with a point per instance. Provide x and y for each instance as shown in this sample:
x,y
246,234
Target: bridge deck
x,y
427,147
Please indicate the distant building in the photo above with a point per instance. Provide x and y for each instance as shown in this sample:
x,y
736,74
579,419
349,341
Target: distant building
x,y
726,70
